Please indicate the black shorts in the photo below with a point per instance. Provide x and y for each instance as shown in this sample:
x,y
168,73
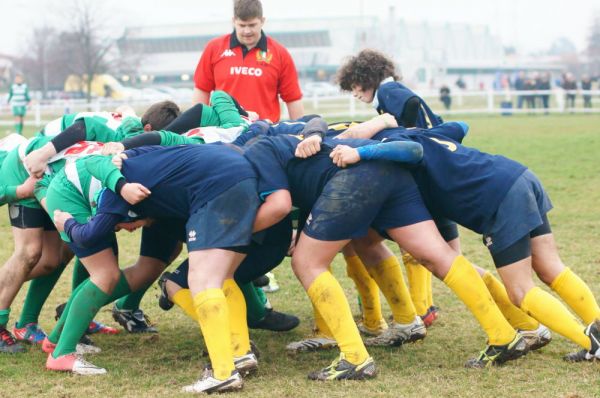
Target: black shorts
x,y
161,238
24,217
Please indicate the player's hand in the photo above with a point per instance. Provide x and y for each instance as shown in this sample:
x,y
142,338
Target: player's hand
x,y
343,155
117,160
112,148
308,147
60,218
388,120
26,189
253,116
37,161
134,193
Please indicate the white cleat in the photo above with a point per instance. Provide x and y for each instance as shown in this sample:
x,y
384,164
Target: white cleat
x,y
537,338
398,333
75,364
311,344
246,364
83,349
208,384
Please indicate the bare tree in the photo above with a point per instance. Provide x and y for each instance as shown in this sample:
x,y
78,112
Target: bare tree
x,y
593,49
87,43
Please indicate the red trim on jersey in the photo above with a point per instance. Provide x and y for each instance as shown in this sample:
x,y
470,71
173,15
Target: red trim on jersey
x,y
255,80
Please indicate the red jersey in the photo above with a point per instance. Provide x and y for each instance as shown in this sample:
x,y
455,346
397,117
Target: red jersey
x,y
255,78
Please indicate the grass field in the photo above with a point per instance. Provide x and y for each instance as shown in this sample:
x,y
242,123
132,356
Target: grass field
x,y
564,151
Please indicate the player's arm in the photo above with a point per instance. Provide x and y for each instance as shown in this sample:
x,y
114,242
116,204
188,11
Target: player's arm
x,y
407,152
165,138
10,94
314,133
456,131
97,228
371,127
227,110
14,193
110,176
275,207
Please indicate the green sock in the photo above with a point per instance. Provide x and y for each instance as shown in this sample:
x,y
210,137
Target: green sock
x,y
131,302
255,306
262,296
56,332
79,274
4,317
122,289
225,109
37,294
85,305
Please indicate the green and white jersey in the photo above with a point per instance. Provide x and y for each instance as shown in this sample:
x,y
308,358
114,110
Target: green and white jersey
x,y
18,95
96,122
8,193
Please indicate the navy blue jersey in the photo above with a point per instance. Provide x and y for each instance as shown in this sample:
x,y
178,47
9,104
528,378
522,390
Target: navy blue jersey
x,y
277,168
183,178
392,98
458,182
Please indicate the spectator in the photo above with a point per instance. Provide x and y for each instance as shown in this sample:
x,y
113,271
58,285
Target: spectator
x,y
586,86
520,86
460,83
569,85
530,85
18,98
544,85
445,97
250,66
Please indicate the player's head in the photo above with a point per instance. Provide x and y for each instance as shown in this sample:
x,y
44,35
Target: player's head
x,y
363,73
248,21
159,115
18,78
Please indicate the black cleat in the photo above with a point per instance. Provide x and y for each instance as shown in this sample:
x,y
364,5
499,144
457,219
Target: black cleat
x,y
276,322
133,321
163,300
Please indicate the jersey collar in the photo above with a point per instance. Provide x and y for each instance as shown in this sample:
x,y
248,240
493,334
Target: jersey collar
x,y
234,42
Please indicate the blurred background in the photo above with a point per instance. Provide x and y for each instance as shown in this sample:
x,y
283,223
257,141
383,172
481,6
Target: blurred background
x,y
489,57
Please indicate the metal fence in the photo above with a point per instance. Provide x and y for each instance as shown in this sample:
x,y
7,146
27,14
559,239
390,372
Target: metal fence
x,y
505,102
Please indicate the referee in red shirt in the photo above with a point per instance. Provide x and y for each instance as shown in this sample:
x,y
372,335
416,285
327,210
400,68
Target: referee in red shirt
x,y
250,66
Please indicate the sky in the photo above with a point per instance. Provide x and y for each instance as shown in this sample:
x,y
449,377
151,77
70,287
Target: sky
x,y
528,25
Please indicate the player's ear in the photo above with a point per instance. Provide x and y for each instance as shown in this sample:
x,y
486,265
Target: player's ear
x,y
147,127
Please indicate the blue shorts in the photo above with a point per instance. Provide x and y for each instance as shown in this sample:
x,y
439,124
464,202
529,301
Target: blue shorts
x,y
226,221
447,228
83,252
374,194
520,212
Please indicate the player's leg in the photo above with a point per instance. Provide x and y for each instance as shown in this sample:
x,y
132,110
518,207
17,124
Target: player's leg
x,y
310,263
384,268
372,322
28,246
423,241
45,275
106,283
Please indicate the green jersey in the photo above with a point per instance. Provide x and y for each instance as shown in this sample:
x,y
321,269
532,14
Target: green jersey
x,y
98,124
75,189
18,95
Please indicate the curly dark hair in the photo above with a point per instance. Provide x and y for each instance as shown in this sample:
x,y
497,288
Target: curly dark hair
x,y
367,70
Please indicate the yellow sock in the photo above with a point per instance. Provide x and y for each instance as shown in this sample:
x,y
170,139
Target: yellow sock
x,y
429,289
183,298
549,311
240,339
513,314
388,276
327,296
213,317
368,291
577,295
321,328
466,283
419,283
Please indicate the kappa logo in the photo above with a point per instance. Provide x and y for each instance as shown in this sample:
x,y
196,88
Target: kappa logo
x,y
192,236
228,53
309,219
